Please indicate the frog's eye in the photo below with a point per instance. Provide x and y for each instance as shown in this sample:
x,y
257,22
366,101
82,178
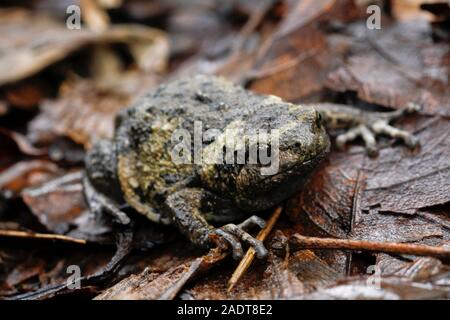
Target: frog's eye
x,y
297,145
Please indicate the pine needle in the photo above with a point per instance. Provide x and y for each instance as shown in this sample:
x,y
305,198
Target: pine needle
x,y
45,236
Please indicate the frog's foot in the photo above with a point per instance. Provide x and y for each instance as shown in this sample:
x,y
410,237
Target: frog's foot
x,y
378,123
234,234
98,203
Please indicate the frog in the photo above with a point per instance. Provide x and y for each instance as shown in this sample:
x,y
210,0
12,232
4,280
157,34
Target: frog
x,y
217,202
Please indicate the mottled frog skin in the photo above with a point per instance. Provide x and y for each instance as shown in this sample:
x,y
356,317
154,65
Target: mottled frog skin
x,y
202,200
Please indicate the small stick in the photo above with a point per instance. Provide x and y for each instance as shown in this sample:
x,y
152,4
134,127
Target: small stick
x,y
33,235
298,242
250,255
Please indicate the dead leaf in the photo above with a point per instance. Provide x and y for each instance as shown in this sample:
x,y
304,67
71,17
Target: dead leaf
x,y
148,286
33,42
23,143
274,279
327,199
404,182
424,278
26,174
57,203
293,63
85,111
396,67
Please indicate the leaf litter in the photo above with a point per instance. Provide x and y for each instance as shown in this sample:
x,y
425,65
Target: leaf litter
x,y
310,51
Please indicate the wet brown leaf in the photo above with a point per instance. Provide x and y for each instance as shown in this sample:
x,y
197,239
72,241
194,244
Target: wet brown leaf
x,y
85,110
299,50
327,199
150,286
400,64
275,279
57,203
423,278
399,181
28,268
293,63
349,186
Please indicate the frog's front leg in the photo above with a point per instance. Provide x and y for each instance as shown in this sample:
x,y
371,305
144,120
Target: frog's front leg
x,y
192,210
366,124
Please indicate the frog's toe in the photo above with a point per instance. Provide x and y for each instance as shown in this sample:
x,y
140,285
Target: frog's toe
x,y
252,221
359,131
412,107
257,245
383,127
236,246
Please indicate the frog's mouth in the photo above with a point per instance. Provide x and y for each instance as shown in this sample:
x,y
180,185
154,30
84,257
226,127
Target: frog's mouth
x,y
291,160
271,190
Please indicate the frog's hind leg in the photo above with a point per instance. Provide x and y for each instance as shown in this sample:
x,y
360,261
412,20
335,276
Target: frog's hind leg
x,y
100,184
192,209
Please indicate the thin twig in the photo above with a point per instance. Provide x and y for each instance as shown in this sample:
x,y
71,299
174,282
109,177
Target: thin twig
x,y
298,242
45,236
250,255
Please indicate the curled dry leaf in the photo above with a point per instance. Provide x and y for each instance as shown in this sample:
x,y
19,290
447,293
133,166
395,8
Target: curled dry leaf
x,y
23,143
32,42
27,174
58,203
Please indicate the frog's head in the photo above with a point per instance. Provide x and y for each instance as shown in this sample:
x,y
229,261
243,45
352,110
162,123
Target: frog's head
x,y
298,142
